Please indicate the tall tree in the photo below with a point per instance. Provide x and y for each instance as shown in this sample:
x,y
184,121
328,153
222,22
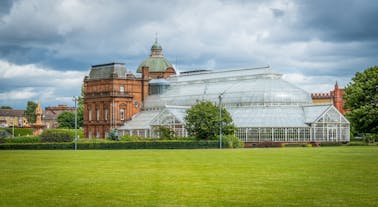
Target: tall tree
x,y
30,111
80,108
6,107
202,121
361,100
66,120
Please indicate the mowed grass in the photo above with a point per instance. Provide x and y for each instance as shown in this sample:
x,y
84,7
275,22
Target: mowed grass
x,y
322,176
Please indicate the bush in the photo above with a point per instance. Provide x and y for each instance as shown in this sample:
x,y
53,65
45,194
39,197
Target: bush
x,y
131,138
357,144
57,135
329,144
165,133
296,145
36,146
114,134
158,144
24,139
20,131
370,138
3,134
231,141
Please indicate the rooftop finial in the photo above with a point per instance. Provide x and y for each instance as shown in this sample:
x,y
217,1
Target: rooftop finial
x,y
156,37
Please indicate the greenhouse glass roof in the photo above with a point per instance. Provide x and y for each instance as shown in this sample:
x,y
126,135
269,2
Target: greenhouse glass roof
x,y
258,86
256,97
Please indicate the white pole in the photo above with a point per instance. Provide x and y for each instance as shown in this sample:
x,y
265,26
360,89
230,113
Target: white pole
x,y
220,121
75,99
13,128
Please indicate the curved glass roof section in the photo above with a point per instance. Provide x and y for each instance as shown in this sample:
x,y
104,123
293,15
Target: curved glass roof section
x,y
242,87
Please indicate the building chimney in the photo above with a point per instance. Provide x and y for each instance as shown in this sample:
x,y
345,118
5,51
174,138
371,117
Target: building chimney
x,y
145,79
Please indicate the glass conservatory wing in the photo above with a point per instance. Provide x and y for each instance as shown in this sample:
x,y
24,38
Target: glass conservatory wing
x,y
141,120
313,112
168,117
268,116
332,115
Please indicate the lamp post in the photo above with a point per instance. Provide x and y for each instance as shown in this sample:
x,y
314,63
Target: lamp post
x,y
13,127
75,100
220,120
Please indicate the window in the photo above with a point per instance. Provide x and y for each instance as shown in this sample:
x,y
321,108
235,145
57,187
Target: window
x,y
122,89
89,115
97,114
106,114
122,114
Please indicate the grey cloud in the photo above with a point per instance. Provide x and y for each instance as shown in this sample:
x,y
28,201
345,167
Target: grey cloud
x,y
340,20
5,6
278,12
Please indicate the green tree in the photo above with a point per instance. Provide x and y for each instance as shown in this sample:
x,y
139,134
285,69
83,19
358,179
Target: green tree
x,y
361,100
202,121
30,111
80,108
6,107
66,120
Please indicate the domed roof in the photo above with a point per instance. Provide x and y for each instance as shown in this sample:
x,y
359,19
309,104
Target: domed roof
x,y
156,62
239,88
156,45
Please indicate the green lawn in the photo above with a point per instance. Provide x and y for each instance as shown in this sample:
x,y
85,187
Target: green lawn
x,y
322,176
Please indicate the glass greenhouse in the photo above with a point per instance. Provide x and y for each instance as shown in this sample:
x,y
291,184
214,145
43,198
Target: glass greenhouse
x,y
264,107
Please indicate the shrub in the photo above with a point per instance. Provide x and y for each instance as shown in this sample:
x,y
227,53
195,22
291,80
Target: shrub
x,y
370,138
157,144
57,135
132,138
165,132
296,145
114,134
357,144
36,146
24,139
3,134
329,144
20,131
231,141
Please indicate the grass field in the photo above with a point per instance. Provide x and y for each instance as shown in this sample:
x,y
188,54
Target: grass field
x,y
322,176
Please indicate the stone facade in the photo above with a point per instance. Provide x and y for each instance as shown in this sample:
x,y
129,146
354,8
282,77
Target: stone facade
x,y
112,96
12,117
110,101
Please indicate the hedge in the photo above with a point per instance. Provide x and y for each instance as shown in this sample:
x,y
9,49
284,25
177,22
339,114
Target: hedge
x,y
174,144
57,135
20,131
357,144
296,145
23,139
330,144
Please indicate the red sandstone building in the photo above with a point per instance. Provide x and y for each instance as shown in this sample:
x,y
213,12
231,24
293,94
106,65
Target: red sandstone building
x,y
113,96
334,97
51,113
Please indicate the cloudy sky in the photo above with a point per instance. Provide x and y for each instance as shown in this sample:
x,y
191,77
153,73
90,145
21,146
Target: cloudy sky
x,y
48,46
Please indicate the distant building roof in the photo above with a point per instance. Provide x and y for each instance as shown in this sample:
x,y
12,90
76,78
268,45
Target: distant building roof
x,y
108,70
11,112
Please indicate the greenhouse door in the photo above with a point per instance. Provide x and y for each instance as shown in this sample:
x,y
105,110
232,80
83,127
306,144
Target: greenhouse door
x,y
332,133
